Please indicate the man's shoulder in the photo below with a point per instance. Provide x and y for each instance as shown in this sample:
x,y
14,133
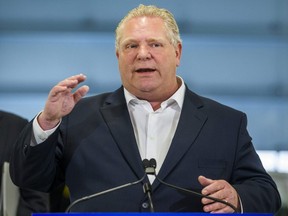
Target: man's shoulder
x,y
210,104
95,98
11,117
100,100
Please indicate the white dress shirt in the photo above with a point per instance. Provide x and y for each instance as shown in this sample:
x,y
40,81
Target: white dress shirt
x,y
154,130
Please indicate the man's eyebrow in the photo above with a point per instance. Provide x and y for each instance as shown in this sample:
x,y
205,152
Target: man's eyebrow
x,y
149,40
156,40
129,40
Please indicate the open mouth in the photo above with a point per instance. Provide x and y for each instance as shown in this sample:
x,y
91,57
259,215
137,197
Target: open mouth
x,y
145,70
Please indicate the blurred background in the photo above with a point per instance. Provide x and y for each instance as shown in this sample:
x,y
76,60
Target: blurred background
x,y
234,51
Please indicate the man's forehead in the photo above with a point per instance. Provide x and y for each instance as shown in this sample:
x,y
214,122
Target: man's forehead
x,y
143,20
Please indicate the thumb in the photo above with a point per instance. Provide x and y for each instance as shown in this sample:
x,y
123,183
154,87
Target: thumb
x,y
204,181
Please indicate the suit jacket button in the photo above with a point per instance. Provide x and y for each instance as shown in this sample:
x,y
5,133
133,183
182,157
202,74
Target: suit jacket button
x,y
145,205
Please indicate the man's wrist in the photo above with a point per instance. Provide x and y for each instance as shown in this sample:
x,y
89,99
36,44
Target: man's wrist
x,y
41,135
46,124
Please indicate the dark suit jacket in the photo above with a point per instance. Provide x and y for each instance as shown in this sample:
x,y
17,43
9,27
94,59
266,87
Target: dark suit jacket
x,y
10,127
95,149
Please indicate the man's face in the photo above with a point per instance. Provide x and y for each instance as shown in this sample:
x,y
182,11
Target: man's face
x,y
147,60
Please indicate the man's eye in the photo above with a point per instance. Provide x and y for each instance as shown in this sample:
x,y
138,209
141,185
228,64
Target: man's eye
x,y
155,45
131,46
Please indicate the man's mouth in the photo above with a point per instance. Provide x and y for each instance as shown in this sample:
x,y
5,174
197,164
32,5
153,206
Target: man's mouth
x,y
144,70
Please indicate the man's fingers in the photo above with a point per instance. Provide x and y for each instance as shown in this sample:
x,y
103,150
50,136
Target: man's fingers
x,y
73,81
205,181
80,78
217,208
219,189
81,92
57,89
218,195
67,85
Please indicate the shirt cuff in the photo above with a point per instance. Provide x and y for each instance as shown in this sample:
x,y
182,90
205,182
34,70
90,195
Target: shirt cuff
x,y
39,134
241,206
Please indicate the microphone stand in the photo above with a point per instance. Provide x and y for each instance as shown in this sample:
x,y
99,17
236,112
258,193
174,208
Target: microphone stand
x,y
148,190
149,170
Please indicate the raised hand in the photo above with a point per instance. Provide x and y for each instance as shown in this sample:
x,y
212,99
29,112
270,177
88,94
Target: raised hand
x,y
61,100
220,189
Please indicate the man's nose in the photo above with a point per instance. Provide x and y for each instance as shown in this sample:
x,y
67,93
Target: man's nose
x,y
144,53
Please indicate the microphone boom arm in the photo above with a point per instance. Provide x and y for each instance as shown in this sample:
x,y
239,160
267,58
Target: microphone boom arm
x,y
103,192
197,194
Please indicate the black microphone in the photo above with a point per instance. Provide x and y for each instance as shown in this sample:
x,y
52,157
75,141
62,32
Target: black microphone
x,y
147,186
108,191
152,166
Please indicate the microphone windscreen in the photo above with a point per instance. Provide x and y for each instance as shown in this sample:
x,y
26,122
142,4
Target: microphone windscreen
x,y
146,163
153,163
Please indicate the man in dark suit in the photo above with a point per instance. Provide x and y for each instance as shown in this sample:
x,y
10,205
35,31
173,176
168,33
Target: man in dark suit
x,y
10,127
99,142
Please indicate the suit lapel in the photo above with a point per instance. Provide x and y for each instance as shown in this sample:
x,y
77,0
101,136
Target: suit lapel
x,y
116,116
190,124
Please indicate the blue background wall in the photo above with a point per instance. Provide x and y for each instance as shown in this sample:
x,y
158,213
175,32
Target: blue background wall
x,y
234,51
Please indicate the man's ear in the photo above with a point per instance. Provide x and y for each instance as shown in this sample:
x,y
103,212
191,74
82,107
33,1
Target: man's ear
x,y
178,52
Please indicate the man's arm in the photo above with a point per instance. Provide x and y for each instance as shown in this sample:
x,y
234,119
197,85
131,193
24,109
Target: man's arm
x,y
35,166
249,182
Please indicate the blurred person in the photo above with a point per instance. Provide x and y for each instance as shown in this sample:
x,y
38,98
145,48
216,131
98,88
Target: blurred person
x,y
98,142
10,127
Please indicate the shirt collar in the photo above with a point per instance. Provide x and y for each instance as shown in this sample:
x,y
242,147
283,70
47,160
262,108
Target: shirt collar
x,y
178,96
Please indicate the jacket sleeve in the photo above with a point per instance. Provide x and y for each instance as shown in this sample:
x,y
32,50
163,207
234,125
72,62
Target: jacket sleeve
x,y
35,167
32,201
257,190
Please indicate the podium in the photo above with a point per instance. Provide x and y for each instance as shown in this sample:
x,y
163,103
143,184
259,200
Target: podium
x,y
151,214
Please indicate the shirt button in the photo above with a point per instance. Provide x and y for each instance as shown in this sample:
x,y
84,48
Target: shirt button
x,y
145,205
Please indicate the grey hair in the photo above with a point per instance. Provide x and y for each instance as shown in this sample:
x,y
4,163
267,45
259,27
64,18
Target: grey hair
x,y
152,11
